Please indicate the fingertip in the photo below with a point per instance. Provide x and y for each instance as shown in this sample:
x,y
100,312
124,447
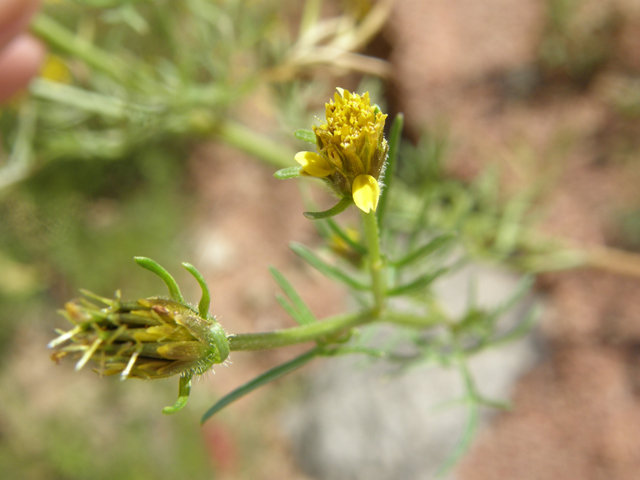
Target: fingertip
x,y
20,61
14,18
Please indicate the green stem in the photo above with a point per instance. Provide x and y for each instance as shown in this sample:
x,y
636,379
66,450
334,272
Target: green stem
x,y
59,37
412,320
91,102
295,335
248,141
376,265
19,164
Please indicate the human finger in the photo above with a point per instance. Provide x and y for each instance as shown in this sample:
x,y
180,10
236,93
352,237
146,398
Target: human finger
x,y
14,18
20,60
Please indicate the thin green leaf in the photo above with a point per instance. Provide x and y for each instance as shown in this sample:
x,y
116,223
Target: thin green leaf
x,y
339,231
522,288
472,397
511,225
339,207
417,284
305,135
304,312
324,268
18,165
154,267
433,245
309,204
288,307
517,332
205,300
259,381
463,444
289,172
394,142
75,45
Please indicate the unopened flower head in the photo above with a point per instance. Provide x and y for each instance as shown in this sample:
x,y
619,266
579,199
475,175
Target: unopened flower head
x,y
148,338
351,149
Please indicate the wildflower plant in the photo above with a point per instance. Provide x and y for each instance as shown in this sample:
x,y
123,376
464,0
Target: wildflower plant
x,y
112,92
156,337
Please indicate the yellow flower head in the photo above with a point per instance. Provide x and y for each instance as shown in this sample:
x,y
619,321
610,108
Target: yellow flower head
x,y
351,149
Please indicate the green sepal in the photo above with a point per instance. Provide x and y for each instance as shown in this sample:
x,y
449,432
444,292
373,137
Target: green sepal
x,y
205,300
339,207
154,267
305,135
260,380
289,172
324,268
184,391
303,314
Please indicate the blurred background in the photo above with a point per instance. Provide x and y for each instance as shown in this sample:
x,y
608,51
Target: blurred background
x,y
138,145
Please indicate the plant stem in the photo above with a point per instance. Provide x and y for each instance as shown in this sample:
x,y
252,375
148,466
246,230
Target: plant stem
x,y
19,164
295,335
376,265
248,141
415,321
613,260
59,37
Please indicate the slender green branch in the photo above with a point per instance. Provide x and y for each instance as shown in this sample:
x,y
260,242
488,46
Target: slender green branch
x,y
248,141
295,335
19,164
412,320
92,102
59,37
376,265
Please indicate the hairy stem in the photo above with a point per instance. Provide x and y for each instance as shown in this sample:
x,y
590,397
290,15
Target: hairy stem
x,y
295,335
376,265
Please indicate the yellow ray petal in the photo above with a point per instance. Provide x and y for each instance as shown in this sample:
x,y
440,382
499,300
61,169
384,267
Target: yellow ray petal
x,y
313,164
366,191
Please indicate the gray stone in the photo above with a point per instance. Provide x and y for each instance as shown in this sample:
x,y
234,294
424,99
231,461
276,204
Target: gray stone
x,y
359,421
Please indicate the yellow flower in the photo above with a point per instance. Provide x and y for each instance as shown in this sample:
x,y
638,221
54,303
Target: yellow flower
x,y
55,69
351,149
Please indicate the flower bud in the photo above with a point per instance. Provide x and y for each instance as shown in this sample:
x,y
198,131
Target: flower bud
x,y
148,338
